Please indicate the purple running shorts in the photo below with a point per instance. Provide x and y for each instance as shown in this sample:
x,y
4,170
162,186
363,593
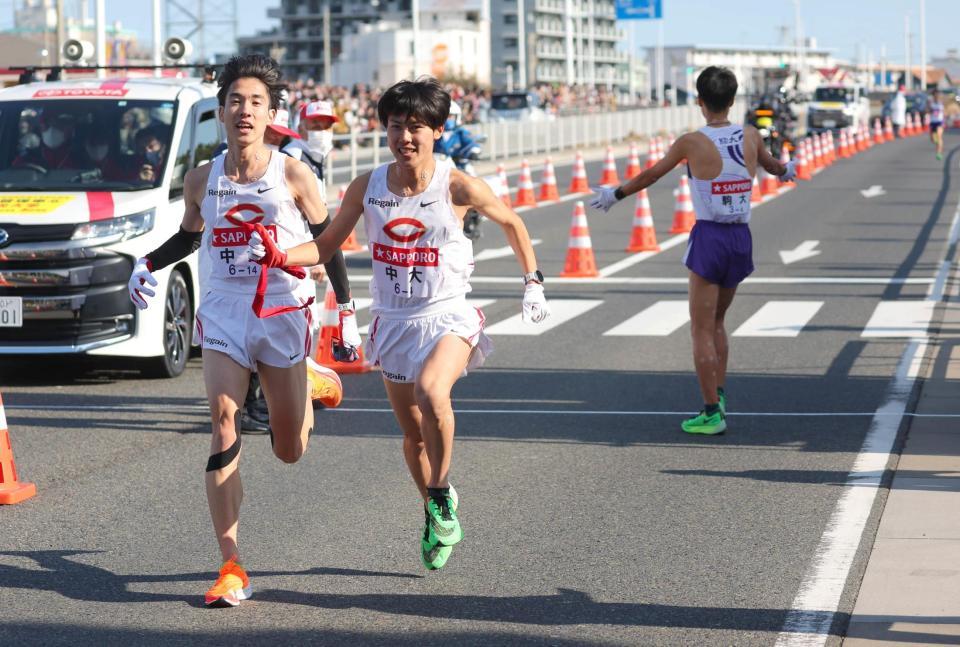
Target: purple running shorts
x,y
720,253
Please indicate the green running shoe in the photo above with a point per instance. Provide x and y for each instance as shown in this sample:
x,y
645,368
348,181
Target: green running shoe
x,y
939,157
433,556
704,424
723,403
442,520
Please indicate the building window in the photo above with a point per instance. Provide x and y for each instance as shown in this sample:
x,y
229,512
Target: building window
x,y
509,42
509,19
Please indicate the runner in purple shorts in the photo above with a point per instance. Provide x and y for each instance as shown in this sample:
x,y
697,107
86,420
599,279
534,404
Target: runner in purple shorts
x,y
936,123
722,159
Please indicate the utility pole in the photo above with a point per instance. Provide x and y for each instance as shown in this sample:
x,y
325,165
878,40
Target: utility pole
x,y
907,72
101,44
521,45
157,45
61,34
923,46
326,43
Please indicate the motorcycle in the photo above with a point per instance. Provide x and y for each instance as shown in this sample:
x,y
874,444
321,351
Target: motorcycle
x,y
773,120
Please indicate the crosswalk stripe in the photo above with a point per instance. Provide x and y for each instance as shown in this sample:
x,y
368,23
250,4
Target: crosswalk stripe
x,y
476,303
659,320
779,319
900,319
562,310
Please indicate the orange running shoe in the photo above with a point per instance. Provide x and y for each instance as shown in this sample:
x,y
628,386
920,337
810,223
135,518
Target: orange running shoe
x,y
232,586
325,385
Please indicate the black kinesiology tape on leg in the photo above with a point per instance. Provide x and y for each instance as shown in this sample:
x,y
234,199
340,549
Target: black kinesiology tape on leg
x,y
336,267
224,458
180,245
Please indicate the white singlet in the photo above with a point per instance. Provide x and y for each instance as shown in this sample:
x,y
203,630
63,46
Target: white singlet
x,y
725,198
420,256
225,244
936,112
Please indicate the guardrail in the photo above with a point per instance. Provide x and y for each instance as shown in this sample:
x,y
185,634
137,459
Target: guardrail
x,y
357,153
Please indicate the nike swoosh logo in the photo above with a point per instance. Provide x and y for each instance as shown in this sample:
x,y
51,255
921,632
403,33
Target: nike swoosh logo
x,y
265,190
427,204
294,356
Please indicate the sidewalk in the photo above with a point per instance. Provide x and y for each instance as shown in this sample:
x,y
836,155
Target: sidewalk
x,y
910,594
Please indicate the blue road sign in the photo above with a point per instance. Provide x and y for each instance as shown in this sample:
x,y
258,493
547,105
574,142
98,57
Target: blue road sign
x,y
639,9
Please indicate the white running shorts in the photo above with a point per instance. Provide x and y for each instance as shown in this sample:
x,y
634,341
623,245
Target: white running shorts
x,y
401,346
226,323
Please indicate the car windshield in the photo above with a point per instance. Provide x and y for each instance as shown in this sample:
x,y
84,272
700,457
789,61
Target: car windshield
x,y
833,94
509,101
84,144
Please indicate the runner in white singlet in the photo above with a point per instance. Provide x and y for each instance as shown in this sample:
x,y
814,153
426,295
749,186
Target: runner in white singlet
x,y
242,323
424,334
722,159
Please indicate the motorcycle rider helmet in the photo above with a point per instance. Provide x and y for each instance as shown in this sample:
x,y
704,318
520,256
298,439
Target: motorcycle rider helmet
x,y
454,118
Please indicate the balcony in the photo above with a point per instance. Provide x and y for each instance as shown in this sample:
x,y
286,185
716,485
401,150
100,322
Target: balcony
x,y
550,28
550,6
552,52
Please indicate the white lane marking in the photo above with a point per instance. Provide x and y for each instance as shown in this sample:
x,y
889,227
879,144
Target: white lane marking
x,y
499,252
874,191
659,320
937,289
660,280
633,259
476,303
779,319
202,408
900,319
813,609
806,249
562,310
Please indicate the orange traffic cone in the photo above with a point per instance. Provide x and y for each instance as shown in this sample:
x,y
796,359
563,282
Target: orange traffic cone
x,y
908,126
579,183
768,183
785,159
877,132
926,123
504,190
525,197
755,195
643,238
844,151
12,490
548,183
683,215
888,130
652,155
633,162
330,329
803,164
580,260
817,153
831,150
609,176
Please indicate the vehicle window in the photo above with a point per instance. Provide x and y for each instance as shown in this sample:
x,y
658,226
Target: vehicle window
x,y
508,102
207,138
833,94
183,162
84,145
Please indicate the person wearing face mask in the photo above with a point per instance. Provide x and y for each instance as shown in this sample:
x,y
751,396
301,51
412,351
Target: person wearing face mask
x,y
97,151
56,144
151,152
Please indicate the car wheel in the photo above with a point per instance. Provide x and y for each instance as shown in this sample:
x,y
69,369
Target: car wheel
x,y
177,328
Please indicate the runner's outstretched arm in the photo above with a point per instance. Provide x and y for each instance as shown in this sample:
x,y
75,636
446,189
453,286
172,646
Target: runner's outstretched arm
x,y
473,192
771,164
303,185
606,197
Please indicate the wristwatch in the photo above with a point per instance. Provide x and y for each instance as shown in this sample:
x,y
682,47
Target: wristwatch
x,y
536,276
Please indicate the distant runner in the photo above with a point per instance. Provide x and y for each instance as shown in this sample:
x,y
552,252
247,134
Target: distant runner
x,y
936,123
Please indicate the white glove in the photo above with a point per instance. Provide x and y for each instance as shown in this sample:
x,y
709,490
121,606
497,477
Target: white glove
x,y
791,171
256,249
139,278
535,308
603,198
349,332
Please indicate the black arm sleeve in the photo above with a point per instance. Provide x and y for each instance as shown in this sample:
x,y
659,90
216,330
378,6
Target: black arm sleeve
x,y
336,267
180,245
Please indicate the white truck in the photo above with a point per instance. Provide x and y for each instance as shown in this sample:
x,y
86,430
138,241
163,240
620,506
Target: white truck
x,y
91,178
837,106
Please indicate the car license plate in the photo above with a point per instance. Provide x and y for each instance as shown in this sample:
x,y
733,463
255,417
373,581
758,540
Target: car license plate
x,y
829,123
11,312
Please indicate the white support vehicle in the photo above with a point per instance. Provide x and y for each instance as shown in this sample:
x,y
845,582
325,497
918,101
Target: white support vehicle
x,y
91,179
838,106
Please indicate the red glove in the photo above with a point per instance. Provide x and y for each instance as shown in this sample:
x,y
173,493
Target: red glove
x,y
263,250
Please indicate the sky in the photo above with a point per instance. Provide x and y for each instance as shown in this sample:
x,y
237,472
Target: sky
x,y
843,26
